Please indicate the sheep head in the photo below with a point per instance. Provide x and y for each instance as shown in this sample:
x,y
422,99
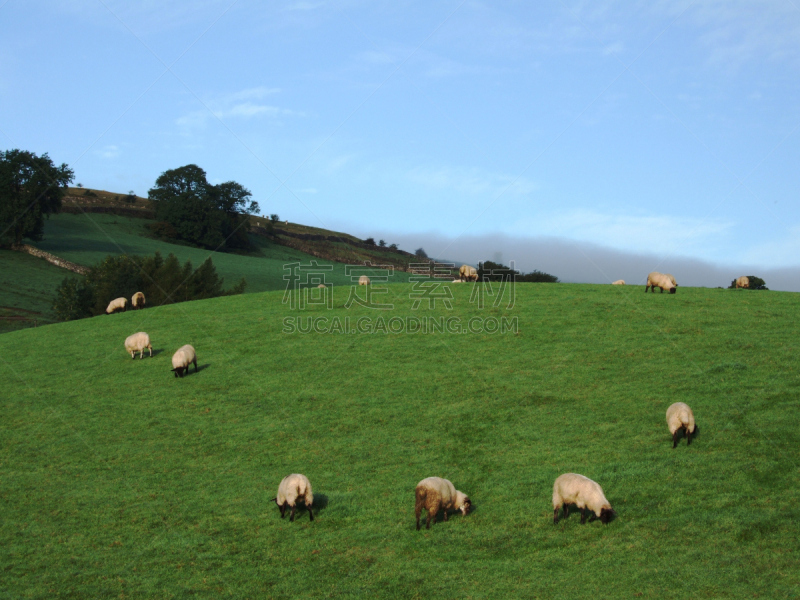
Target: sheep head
x,y
179,371
672,290
606,514
463,503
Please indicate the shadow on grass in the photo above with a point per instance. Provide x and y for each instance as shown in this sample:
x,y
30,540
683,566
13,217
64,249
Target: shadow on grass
x,y
320,503
682,434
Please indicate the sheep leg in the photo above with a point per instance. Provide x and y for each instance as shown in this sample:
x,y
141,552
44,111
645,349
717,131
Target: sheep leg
x,y
283,509
566,510
675,439
583,515
445,515
310,514
291,516
555,516
688,436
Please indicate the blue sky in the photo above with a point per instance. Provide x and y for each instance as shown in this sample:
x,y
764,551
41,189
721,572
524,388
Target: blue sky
x,y
661,129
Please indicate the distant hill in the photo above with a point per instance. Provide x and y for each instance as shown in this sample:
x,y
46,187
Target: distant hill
x,y
95,223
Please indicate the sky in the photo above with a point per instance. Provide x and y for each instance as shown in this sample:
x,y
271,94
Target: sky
x,y
593,140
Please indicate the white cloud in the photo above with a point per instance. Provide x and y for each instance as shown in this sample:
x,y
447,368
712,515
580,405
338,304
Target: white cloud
x,y
244,104
471,181
108,152
642,233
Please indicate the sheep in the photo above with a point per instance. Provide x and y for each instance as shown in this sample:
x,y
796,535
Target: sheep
x,y
294,487
182,359
659,280
618,282
435,493
742,282
137,300
363,280
322,285
680,417
138,342
571,488
117,304
467,273
457,281
672,279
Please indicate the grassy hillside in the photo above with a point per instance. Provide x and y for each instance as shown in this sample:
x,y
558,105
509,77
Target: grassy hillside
x,y
120,480
88,238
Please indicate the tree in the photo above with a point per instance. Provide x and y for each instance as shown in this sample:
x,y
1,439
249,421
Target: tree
x,y
31,187
274,218
369,241
420,253
382,243
200,213
756,283
393,247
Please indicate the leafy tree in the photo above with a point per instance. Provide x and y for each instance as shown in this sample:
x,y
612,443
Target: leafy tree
x,y
382,243
200,213
274,218
31,187
393,247
537,277
493,271
370,241
420,253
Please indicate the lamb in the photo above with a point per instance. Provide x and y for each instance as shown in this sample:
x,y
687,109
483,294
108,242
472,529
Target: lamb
x,y
618,282
659,280
680,417
137,301
467,273
363,280
742,282
435,493
138,342
117,304
571,488
182,359
294,487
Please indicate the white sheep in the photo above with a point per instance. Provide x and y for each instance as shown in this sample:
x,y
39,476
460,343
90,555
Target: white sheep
x,y
618,282
294,487
571,488
467,273
672,279
137,300
117,304
182,359
137,343
680,417
322,285
435,493
363,280
457,281
659,280
742,282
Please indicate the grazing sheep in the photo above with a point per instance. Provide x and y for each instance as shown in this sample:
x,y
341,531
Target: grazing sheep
x,y
138,342
681,417
672,279
618,282
137,300
435,493
117,304
467,273
294,487
457,281
322,285
659,280
182,359
742,282
363,280
571,488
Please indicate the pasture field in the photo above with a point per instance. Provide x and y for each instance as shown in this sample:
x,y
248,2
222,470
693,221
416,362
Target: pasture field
x,y
119,480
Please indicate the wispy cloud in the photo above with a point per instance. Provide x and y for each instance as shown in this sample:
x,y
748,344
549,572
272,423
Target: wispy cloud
x,y
244,104
108,152
471,181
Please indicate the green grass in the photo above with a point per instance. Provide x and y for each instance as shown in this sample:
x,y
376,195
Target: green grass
x,y
120,480
27,285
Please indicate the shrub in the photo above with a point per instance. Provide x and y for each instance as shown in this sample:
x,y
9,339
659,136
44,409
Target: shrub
x,y
89,193
393,247
370,241
756,283
420,253
274,218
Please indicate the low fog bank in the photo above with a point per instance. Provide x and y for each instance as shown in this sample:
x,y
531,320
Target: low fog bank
x,y
576,262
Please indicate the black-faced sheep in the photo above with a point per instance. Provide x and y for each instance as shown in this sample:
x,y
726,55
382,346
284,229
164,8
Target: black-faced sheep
x,y
294,487
572,488
434,494
137,343
182,359
117,304
363,280
742,282
137,300
659,280
680,417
